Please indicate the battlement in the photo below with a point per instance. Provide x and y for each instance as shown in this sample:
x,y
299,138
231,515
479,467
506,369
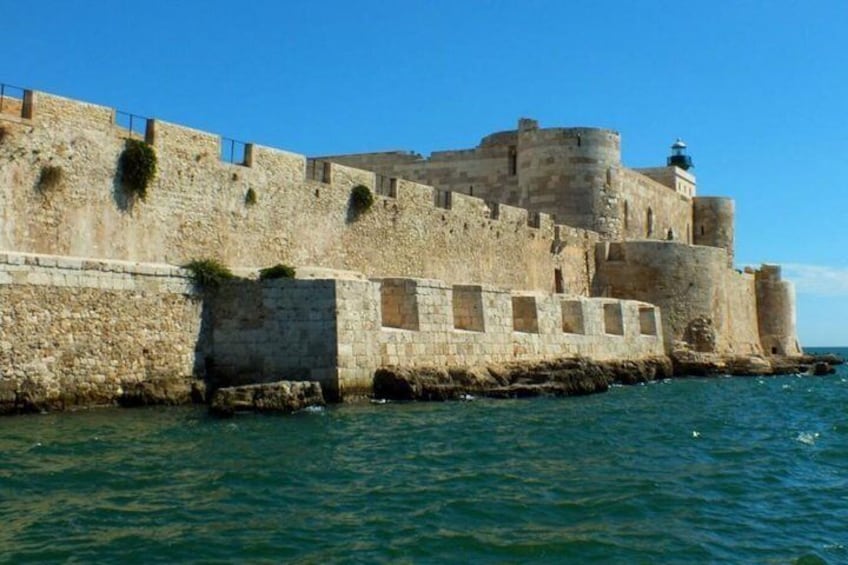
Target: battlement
x,y
197,206
358,326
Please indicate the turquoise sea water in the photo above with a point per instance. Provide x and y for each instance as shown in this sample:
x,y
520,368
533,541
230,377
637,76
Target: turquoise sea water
x,y
728,470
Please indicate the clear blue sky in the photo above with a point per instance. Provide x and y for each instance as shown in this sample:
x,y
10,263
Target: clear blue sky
x,y
759,90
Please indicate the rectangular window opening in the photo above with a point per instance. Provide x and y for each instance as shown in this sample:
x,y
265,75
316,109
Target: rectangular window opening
x,y
398,299
647,320
468,308
513,161
525,317
572,317
559,286
613,321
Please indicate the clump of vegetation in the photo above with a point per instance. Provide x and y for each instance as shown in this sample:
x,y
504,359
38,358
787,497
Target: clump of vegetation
x,y
361,199
138,167
208,274
51,176
278,271
250,197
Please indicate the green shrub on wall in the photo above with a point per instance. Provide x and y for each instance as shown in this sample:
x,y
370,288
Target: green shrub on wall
x,y
278,271
208,274
361,198
138,167
50,177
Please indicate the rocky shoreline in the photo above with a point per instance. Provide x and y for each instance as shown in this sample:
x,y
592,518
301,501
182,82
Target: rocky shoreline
x,y
563,377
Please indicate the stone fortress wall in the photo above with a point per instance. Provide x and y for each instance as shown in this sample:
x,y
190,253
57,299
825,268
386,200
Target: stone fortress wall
x,y
196,207
81,331
441,258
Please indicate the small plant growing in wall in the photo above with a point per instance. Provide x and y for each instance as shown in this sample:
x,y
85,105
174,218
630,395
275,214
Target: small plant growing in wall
x,y
208,274
137,167
278,271
361,199
50,177
250,197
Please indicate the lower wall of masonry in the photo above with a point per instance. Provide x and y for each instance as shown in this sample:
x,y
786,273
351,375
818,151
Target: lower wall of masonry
x,y
77,332
81,331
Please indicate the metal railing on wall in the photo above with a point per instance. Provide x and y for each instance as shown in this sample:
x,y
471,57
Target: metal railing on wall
x,y
319,170
135,124
12,99
385,186
235,152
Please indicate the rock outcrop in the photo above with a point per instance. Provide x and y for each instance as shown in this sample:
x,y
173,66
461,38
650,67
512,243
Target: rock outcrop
x,y
564,377
283,397
696,364
34,394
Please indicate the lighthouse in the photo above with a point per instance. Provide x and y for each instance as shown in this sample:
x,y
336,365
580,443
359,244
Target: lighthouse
x,y
678,157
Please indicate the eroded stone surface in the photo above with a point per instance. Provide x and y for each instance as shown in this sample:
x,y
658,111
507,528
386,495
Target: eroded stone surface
x,y
563,377
283,397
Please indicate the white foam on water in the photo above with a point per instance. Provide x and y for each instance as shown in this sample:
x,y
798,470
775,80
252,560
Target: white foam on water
x,y
313,409
807,438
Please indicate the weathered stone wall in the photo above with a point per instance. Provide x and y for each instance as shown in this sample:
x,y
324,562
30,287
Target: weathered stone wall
x,y
574,174
713,221
776,312
81,332
675,178
339,331
565,172
515,327
693,287
649,209
196,207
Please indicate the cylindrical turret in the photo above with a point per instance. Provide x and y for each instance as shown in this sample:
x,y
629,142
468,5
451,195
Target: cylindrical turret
x,y
571,173
776,312
714,219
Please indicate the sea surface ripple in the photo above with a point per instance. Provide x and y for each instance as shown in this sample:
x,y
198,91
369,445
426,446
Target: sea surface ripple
x,y
728,470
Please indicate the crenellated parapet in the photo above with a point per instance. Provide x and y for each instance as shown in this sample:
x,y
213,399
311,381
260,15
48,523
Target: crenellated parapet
x,y
300,211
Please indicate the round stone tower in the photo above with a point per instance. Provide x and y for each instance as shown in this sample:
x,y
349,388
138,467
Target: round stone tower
x,y
776,312
714,220
571,173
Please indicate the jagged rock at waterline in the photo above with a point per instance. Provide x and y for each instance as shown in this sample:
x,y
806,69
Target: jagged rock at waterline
x,y
564,377
283,397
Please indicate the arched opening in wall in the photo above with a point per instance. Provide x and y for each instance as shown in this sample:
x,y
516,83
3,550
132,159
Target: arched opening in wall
x,y
513,160
626,215
702,229
774,351
649,223
670,234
